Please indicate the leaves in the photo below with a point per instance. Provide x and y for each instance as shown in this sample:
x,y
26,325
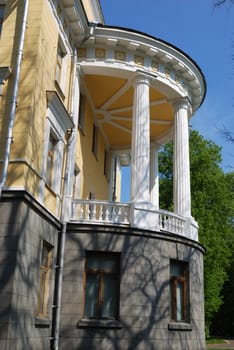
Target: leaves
x,y
212,193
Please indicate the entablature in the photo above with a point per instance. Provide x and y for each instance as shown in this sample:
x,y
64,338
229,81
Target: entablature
x,y
113,47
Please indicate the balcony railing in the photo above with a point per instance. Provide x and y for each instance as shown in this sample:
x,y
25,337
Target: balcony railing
x,y
100,212
105,212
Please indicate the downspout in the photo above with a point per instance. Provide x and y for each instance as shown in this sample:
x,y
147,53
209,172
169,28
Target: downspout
x,y
64,218
60,256
13,103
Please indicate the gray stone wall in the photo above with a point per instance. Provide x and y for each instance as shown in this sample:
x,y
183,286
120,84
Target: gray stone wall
x,y
23,226
144,291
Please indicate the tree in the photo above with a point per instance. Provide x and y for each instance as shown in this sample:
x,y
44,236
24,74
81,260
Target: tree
x,y
221,2
227,134
212,207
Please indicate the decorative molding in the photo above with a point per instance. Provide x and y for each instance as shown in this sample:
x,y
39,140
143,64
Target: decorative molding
x,y
139,60
154,56
82,52
59,111
120,55
100,53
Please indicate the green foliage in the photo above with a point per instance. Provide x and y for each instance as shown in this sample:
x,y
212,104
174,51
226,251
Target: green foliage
x,y
212,207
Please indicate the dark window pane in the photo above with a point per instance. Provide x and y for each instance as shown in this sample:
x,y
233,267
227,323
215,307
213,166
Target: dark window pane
x,y
179,301
102,262
110,297
42,292
45,255
91,296
177,269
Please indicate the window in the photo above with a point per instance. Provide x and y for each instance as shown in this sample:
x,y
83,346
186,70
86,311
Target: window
x,y
101,285
179,290
43,292
2,9
82,112
61,68
107,164
50,159
95,140
59,61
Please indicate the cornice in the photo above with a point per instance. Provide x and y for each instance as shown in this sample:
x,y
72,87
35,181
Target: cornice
x,y
154,56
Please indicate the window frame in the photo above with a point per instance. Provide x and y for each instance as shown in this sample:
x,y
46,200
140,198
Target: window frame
x,y
61,67
174,281
81,120
107,164
44,285
101,273
95,140
2,14
51,155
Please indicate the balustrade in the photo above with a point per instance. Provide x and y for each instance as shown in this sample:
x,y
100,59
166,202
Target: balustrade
x,y
105,212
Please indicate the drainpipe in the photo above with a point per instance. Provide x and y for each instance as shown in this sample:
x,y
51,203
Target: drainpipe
x,y
60,256
60,265
13,103
61,241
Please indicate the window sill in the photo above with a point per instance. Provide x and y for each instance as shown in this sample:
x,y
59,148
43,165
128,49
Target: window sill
x,y
41,322
83,323
179,326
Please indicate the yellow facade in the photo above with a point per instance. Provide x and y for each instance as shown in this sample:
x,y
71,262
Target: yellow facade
x,y
37,76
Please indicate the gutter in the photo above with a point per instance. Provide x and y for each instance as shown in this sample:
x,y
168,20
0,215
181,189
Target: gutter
x,y
13,102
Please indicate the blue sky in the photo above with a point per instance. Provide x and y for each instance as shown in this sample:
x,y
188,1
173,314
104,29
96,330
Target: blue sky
x,y
206,35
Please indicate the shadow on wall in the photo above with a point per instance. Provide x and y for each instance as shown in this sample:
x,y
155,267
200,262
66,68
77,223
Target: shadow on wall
x,y
144,294
17,276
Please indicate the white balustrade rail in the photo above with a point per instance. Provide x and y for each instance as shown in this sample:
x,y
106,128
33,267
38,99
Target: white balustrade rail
x,y
171,222
96,211
100,211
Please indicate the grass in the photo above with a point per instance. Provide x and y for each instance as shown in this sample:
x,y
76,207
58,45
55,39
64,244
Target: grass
x,y
214,341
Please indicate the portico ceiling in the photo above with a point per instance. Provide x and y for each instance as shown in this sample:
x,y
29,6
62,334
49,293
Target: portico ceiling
x,y
112,101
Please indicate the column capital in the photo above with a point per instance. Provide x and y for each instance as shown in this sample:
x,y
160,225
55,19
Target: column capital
x,y
182,103
141,78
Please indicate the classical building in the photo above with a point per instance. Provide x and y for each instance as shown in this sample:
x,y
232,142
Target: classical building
x,y
79,100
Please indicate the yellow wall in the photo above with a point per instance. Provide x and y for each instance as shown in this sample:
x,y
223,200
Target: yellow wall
x,y
36,77
92,169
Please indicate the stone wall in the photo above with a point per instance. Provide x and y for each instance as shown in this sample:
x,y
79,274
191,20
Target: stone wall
x,y
144,310
23,227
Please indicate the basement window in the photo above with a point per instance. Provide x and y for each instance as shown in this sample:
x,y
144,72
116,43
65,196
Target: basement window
x,y
101,286
179,291
43,290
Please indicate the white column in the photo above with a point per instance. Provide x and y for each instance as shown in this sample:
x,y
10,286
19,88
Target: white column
x,y
154,179
181,176
140,166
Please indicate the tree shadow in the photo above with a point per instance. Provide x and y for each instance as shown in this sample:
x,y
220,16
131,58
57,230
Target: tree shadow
x,y
144,291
